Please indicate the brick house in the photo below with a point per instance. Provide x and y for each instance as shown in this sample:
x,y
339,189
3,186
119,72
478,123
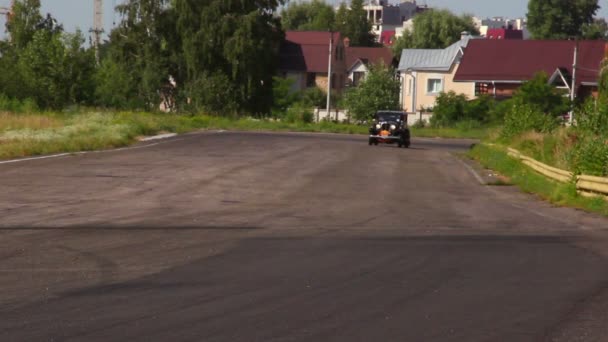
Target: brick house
x,y
304,57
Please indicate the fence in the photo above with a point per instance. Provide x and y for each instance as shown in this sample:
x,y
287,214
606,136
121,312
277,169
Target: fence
x,y
587,185
340,115
413,118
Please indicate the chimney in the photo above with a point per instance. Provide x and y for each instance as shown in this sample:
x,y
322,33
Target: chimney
x,y
346,42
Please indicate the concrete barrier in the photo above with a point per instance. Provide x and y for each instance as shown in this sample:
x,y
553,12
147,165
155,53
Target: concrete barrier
x,y
592,184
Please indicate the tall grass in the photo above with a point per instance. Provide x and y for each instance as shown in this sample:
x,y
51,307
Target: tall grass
x,y
36,134
531,182
26,134
10,122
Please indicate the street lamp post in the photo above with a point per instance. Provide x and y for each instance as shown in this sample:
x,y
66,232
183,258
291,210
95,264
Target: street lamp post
x,y
331,48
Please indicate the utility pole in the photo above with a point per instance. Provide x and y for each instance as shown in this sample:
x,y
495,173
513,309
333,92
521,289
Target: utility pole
x,y
97,29
573,87
331,48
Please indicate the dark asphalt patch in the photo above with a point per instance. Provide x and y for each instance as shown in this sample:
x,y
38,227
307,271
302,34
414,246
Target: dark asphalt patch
x,y
418,289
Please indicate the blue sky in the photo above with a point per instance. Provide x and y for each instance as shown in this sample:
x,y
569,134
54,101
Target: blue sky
x,y
79,13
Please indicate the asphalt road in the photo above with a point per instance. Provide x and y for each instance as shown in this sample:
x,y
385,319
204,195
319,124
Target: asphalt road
x,y
290,237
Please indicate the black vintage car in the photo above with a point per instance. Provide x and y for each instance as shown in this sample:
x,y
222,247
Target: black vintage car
x,y
389,127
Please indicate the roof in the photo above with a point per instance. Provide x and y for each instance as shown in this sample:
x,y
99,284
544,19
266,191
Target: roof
x,y
310,37
387,38
518,60
503,33
368,55
432,59
306,51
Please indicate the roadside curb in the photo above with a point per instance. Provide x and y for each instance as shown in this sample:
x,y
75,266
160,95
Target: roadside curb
x,y
158,137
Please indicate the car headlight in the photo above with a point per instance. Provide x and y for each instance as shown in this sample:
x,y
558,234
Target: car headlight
x,y
378,126
393,127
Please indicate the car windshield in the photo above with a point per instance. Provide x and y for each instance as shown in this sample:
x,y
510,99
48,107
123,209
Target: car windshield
x,y
388,116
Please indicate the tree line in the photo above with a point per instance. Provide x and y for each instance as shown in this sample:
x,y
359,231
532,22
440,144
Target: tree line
x,y
217,56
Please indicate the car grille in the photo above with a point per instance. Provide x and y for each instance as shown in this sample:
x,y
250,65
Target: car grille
x,y
387,126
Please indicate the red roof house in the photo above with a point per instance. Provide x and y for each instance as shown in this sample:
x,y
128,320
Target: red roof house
x,y
499,67
304,57
359,59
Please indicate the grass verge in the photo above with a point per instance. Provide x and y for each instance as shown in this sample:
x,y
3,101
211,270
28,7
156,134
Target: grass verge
x,y
563,194
45,133
455,133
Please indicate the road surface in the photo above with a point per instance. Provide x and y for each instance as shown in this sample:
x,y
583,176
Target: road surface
x,y
224,236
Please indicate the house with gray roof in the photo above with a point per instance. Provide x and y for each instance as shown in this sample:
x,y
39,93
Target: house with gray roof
x,y
425,73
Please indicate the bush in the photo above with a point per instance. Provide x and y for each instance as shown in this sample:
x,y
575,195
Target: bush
x,y
499,111
282,94
299,112
419,124
214,94
449,108
592,118
452,108
590,157
539,94
479,109
523,118
315,97
15,106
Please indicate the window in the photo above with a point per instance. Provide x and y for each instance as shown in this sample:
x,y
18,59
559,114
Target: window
x,y
481,89
434,86
311,79
358,77
410,86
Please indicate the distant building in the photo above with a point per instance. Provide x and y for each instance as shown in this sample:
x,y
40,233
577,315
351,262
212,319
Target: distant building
x,y
386,17
304,58
380,12
504,33
496,23
359,60
426,73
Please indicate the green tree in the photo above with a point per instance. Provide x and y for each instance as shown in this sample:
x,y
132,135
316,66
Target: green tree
x,y
434,29
284,96
238,39
24,22
353,23
138,46
560,19
115,87
341,18
603,80
598,29
42,62
79,69
316,15
379,90
41,66
542,96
